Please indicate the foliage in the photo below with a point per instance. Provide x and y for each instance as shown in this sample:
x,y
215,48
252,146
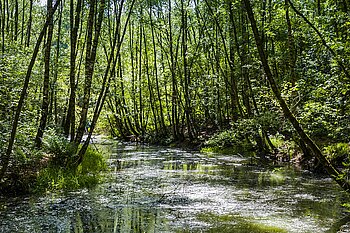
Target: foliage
x,y
185,69
286,148
239,138
338,153
87,174
59,147
61,172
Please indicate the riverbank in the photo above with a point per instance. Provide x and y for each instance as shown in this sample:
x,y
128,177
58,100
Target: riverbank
x,y
163,189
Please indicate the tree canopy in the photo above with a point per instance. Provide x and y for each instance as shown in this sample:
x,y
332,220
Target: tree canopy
x,y
177,70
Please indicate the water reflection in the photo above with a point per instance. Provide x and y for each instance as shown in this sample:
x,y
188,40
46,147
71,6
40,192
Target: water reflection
x,y
124,219
151,189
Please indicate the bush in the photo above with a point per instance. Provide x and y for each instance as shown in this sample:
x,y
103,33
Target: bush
x,y
61,173
59,147
238,139
87,174
338,153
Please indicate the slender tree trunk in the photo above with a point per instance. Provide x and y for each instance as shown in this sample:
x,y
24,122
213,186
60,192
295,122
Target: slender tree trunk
x,y
7,19
2,24
91,48
149,84
161,114
186,73
332,171
244,65
133,58
236,107
29,24
233,82
69,124
53,112
141,111
5,158
174,99
46,84
23,20
335,56
15,33
319,10
291,47
107,78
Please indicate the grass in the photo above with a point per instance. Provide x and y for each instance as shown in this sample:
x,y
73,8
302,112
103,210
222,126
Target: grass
x,y
56,177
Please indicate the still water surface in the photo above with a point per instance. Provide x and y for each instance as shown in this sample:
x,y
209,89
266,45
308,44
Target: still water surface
x,y
156,189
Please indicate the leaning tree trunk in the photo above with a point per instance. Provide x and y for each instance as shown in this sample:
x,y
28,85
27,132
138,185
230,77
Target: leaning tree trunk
x,y
343,65
332,171
5,158
91,49
109,73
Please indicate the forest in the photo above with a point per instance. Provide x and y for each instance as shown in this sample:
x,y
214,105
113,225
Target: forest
x,y
266,77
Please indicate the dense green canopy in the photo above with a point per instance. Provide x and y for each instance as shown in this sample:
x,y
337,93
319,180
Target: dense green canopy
x,y
165,71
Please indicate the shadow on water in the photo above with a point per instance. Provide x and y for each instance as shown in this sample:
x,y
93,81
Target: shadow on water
x,y
153,189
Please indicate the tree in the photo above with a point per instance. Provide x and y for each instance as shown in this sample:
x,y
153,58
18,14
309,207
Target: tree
x,y
332,171
46,85
69,124
92,41
5,158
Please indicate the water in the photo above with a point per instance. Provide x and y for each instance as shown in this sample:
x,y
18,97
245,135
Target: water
x,y
154,189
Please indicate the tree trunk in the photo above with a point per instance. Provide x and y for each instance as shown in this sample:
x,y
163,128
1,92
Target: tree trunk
x,y
149,84
2,27
46,84
15,33
161,114
291,47
324,42
53,112
29,25
332,171
186,73
69,124
114,56
5,158
91,47
174,99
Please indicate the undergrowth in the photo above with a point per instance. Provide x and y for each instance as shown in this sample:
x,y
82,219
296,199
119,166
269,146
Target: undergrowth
x,y
61,173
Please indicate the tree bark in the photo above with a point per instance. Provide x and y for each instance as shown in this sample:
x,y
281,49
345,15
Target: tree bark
x,y
46,84
91,48
109,73
292,58
5,158
332,171
15,33
161,113
29,25
2,25
69,124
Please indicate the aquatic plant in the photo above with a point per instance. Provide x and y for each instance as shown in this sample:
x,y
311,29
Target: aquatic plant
x,y
236,223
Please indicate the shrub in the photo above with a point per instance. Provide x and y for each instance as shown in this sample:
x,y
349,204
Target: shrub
x,y
62,174
338,153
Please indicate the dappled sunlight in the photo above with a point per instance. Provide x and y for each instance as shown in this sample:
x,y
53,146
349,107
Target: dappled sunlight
x,y
154,189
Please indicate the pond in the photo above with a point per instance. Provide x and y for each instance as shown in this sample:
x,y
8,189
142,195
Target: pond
x,y
157,189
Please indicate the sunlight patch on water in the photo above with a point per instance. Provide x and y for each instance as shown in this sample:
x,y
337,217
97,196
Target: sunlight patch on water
x,y
150,189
